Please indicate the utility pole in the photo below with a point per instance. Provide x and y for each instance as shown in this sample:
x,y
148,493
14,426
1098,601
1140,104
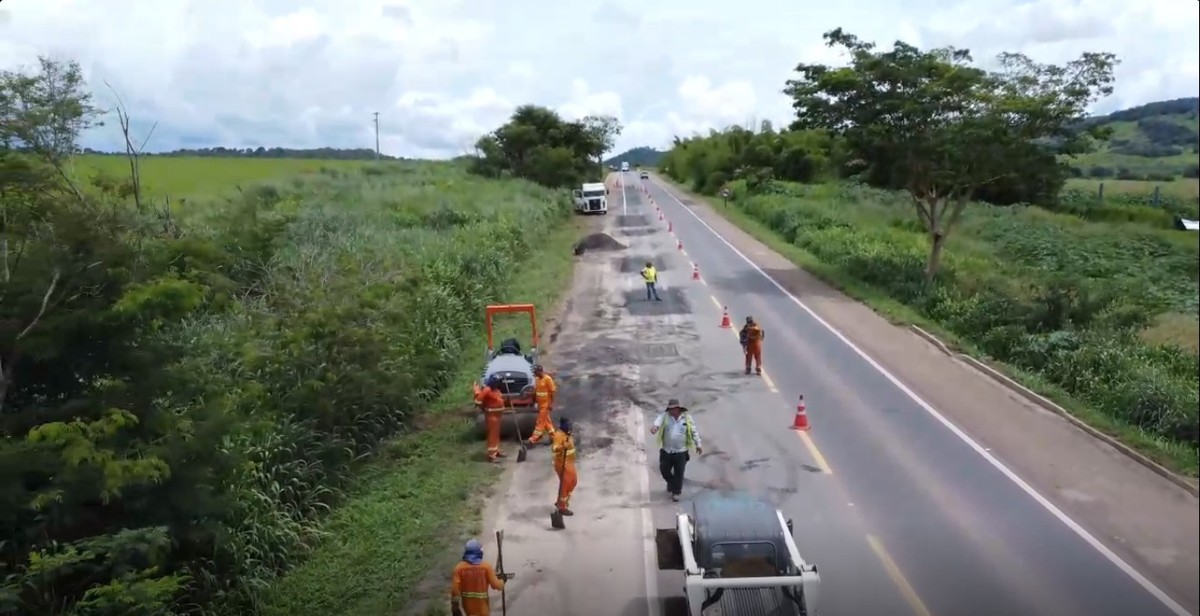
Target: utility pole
x,y
376,135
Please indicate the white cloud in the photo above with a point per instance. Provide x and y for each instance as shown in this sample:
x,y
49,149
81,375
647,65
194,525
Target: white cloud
x,y
441,72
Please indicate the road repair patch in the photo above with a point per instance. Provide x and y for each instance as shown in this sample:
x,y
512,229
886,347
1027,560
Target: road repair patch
x,y
598,242
635,263
629,220
674,301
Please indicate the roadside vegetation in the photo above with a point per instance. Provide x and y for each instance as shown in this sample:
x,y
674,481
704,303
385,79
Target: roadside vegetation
x,y
922,201
188,392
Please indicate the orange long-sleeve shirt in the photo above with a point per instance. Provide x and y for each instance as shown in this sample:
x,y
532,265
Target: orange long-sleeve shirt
x,y
490,399
469,583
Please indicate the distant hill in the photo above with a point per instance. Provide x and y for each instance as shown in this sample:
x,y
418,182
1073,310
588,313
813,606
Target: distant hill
x,y
1161,138
637,157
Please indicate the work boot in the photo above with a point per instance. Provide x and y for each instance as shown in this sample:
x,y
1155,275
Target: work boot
x,y
674,497
501,454
758,371
747,370
566,511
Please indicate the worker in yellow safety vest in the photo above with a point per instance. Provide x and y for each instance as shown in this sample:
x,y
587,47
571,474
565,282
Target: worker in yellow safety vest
x,y
650,277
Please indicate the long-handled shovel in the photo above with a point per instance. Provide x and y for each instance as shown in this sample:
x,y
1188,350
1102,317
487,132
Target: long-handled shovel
x,y
521,455
502,574
556,517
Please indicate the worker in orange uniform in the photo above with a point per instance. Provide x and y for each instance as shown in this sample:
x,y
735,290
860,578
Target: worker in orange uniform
x,y
491,400
751,337
470,582
544,391
562,447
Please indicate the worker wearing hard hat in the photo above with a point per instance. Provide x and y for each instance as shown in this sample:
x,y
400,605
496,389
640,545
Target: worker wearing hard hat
x,y
491,400
650,276
751,338
470,582
544,392
562,447
677,435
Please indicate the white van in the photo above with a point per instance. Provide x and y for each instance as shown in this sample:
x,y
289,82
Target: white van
x,y
625,166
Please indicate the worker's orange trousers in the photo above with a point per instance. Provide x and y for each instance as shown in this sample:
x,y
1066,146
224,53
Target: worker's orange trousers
x,y
754,355
492,422
543,427
568,480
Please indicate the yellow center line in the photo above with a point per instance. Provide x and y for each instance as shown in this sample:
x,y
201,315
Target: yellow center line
x,y
770,384
893,571
817,457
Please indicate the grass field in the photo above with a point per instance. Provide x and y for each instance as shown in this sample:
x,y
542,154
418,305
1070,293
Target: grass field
x,y
1181,188
319,329
1102,317
192,176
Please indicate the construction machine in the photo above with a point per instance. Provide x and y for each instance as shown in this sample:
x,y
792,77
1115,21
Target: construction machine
x,y
514,367
738,558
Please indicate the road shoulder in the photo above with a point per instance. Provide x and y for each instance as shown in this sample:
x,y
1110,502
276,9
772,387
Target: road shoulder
x,y
1148,520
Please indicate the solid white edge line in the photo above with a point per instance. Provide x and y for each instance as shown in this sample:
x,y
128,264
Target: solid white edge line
x,y
649,551
1112,557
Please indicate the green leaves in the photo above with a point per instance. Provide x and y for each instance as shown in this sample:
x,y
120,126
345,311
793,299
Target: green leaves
x,y
538,145
942,129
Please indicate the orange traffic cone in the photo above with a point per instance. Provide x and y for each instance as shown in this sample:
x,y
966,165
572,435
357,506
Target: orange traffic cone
x,y
679,244
726,323
660,216
695,272
801,420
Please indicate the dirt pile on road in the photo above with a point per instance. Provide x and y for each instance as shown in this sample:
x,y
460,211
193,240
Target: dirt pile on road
x,y
598,242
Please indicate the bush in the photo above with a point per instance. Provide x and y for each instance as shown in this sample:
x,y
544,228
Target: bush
x,y
268,347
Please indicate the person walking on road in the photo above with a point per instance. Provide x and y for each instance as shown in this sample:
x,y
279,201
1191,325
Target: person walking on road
x,y
491,400
751,337
562,447
677,435
470,582
544,392
650,275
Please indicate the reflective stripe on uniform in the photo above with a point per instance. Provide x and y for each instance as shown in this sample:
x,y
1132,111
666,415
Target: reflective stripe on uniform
x,y
474,595
688,432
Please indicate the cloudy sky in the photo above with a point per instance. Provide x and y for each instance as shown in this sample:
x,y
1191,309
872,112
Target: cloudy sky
x,y
309,73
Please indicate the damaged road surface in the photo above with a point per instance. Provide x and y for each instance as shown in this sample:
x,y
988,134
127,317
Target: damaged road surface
x,y
900,515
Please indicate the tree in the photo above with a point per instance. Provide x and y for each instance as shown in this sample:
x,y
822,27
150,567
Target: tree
x,y
604,130
539,145
942,129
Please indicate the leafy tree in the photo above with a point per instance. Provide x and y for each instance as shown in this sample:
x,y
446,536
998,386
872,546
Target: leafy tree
x,y
708,163
539,145
943,129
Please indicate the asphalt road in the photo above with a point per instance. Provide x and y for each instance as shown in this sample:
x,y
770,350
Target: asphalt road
x,y
898,511
901,514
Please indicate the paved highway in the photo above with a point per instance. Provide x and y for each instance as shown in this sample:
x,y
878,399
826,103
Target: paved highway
x,y
901,512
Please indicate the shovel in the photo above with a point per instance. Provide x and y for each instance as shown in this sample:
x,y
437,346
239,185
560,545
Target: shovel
x,y
521,455
556,516
500,570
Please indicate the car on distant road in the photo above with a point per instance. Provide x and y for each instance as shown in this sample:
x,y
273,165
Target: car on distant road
x,y
645,175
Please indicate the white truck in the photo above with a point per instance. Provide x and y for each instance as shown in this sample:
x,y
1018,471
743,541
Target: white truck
x,y
591,198
625,166
738,556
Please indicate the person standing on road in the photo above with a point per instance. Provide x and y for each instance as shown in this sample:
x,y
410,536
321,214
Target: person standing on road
x,y
677,435
491,400
562,447
751,337
650,275
470,582
544,392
